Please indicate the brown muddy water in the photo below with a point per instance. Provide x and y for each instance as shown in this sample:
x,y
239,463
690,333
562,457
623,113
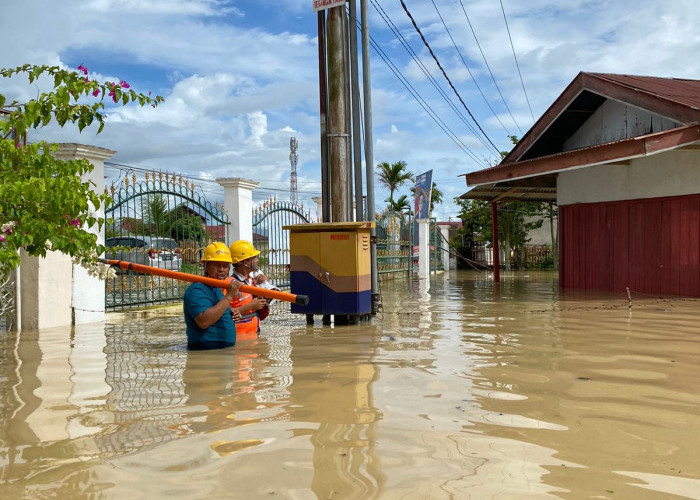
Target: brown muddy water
x,y
456,391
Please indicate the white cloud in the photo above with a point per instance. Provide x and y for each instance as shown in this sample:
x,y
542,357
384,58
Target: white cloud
x,y
257,122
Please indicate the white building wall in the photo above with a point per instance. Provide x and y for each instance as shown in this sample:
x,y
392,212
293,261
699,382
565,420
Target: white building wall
x,y
615,121
543,234
673,173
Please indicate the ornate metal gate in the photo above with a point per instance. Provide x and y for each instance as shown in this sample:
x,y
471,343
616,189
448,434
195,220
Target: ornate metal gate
x,y
272,241
162,222
394,244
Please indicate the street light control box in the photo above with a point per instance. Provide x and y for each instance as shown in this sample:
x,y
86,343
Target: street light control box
x,y
331,263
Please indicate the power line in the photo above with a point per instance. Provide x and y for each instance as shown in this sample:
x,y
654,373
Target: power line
x,y
476,39
425,42
422,102
469,70
516,61
426,72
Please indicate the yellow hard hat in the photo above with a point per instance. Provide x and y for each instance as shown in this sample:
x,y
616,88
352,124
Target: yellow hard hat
x,y
242,250
216,252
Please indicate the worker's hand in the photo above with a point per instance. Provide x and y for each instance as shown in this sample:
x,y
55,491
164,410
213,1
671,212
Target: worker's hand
x,y
257,303
235,314
260,279
232,290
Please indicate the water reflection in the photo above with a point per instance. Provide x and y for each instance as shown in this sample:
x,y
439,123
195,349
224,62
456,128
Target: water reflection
x,y
456,390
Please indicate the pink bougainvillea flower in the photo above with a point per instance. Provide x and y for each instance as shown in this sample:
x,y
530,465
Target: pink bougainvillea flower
x,y
83,69
124,85
74,222
2,238
96,92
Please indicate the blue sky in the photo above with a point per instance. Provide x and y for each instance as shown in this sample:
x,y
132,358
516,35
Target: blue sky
x,y
240,78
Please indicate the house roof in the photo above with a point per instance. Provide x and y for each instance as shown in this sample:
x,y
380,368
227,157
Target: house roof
x,y
540,152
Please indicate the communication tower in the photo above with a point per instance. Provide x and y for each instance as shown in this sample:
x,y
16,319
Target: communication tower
x,y
293,157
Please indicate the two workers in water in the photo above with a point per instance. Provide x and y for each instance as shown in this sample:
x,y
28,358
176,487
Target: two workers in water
x,y
214,316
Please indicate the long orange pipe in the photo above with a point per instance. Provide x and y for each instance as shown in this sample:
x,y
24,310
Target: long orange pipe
x,y
302,300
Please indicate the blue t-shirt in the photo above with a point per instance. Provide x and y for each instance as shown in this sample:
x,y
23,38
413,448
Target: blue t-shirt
x,y
197,299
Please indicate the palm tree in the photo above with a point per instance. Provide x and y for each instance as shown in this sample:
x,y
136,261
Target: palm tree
x,y
435,197
393,176
155,215
400,204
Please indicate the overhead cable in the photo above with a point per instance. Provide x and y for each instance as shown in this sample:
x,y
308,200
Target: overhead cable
x,y
425,42
426,71
469,70
422,102
516,61
476,39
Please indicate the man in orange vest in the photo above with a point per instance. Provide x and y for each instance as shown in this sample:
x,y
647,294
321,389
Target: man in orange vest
x,y
245,270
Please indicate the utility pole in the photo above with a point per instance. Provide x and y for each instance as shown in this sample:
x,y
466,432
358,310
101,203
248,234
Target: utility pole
x,y
337,113
369,156
356,138
325,214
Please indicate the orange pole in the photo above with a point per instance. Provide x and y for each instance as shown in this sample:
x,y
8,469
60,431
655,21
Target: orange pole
x,y
302,300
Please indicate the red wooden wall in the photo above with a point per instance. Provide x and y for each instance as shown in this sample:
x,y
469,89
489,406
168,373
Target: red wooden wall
x,y
651,246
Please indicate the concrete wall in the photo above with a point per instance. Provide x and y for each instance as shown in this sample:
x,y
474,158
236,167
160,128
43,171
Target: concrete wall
x,y
542,235
615,121
54,292
46,291
673,173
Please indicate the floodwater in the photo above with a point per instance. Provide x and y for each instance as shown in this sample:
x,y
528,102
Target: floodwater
x,y
456,390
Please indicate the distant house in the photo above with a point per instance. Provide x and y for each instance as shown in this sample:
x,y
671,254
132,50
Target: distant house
x,y
621,156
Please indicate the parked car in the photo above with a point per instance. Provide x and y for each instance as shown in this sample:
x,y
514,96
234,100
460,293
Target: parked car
x,y
145,250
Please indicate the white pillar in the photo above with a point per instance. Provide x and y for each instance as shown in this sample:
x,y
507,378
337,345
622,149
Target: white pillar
x,y
444,239
54,292
46,290
319,208
238,202
89,291
424,249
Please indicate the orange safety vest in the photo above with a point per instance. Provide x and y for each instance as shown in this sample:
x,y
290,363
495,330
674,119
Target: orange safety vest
x,y
250,323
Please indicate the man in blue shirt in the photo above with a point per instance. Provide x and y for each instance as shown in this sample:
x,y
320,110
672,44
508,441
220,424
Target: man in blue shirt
x,y
207,310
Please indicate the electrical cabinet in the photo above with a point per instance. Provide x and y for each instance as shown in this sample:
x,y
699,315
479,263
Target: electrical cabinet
x,y
331,263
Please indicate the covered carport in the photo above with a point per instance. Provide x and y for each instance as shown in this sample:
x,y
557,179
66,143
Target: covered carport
x,y
495,193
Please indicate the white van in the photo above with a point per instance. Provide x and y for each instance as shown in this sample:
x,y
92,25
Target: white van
x,y
145,250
